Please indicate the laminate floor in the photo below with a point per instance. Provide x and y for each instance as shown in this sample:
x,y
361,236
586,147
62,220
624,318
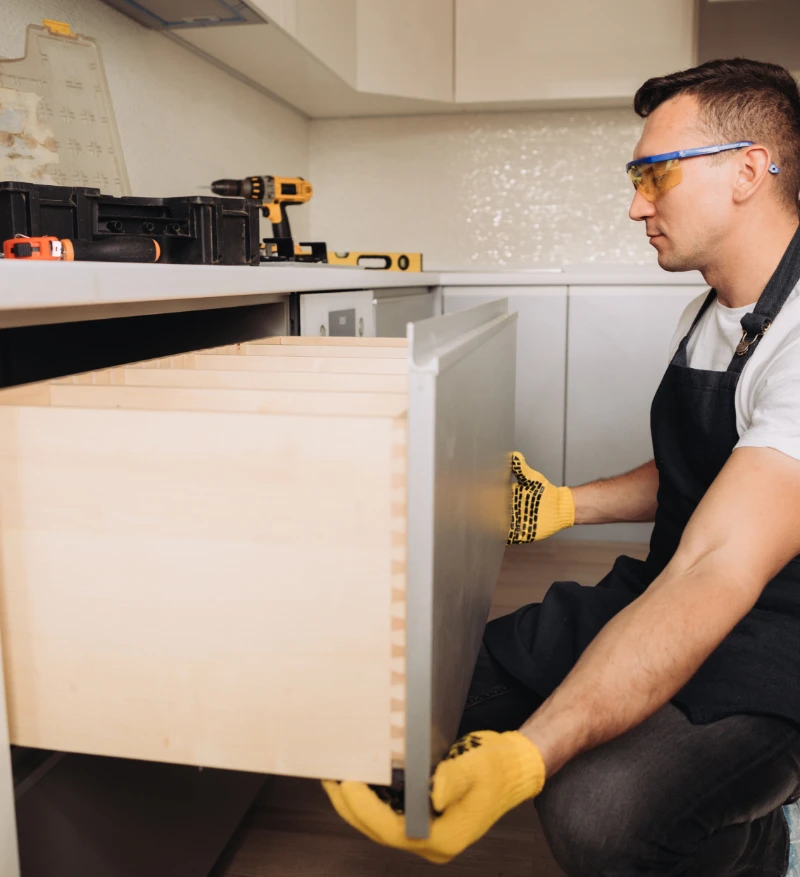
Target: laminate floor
x,y
292,831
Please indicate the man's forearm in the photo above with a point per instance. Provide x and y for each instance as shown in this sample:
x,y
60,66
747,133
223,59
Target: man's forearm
x,y
628,497
640,659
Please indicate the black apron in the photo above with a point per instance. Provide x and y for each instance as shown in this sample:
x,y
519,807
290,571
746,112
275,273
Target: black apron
x,y
756,668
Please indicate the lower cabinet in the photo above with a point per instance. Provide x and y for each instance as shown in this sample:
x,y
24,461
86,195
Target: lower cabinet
x,y
381,313
541,366
618,345
275,557
589,359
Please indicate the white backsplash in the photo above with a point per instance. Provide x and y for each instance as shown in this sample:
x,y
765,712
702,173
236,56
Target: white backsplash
x,y
481,190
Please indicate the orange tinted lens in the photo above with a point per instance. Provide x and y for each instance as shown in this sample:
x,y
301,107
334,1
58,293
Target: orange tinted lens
x,y
653,180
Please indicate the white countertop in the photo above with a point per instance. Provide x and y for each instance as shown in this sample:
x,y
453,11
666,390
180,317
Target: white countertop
x,y
49,292
45,292
578,275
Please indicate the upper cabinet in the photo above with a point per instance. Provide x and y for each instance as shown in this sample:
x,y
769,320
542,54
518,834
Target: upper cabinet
x,y
325,28
406,49
334,58
573,50
377,46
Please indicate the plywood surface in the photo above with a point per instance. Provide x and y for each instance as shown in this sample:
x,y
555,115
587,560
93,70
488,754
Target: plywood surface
x,y
235,360
242,380
323,365
333,351
215,399
331,341
200,588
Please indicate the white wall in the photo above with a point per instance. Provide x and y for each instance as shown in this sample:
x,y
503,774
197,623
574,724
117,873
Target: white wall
x,y
182,121
497,189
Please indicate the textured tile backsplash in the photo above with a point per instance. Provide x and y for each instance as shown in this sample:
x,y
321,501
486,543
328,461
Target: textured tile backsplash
x,y
505,190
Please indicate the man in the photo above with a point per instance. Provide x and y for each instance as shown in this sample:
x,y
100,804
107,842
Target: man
x,y
663,705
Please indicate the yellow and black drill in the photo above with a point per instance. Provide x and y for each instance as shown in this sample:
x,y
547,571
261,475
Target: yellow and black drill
x,y
274,195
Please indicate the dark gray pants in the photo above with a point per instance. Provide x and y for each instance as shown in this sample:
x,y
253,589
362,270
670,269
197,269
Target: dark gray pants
x,y
668,797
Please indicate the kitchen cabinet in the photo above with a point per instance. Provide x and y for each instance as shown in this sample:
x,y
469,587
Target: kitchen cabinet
x,y
618,343
384,313
203,562
541,366
406,49
326,28
339,58
376,46
521,50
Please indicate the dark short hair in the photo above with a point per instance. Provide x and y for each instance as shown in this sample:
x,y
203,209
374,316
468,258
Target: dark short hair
x,y
740,100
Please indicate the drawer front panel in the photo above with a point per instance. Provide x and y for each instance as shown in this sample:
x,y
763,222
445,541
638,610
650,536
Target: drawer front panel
x,y
461,434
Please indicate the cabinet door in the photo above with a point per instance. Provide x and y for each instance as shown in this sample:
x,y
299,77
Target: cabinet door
x,y
618,343
539,50
541,366
327,28
406,49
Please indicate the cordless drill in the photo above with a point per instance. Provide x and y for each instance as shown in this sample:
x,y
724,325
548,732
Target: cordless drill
x,y
274,194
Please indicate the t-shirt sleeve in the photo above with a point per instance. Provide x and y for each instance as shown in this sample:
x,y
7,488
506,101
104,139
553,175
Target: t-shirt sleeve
x,y
685,323
775,405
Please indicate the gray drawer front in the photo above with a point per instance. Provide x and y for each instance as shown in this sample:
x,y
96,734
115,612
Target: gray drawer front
x,y
461,432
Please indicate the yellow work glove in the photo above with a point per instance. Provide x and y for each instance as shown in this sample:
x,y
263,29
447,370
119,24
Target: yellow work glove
x,y
538,508
483,776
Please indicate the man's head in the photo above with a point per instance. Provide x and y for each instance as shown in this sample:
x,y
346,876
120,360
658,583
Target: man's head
x,y
718,103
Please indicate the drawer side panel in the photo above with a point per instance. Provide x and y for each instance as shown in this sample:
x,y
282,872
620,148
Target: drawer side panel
x,y
200,588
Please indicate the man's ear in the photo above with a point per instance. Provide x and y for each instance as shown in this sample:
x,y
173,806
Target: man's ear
x,y
752,169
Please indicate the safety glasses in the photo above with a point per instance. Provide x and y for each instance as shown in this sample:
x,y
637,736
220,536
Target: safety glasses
x,y
656,174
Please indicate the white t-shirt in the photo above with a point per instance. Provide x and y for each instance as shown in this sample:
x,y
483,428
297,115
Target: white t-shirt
x,y
768,392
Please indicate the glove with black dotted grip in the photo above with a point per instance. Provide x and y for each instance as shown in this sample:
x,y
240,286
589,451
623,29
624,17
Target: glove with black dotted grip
x,y
483,776
538,508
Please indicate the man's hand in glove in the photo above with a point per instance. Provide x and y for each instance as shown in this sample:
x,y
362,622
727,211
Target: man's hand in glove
x,y
538,508
484,775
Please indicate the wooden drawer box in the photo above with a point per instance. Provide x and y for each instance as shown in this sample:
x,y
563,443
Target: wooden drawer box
x,y
277,557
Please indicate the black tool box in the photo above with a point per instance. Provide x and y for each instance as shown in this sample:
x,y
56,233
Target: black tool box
x,y
190,231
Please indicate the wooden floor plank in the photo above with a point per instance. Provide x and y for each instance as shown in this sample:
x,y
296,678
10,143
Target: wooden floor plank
x,y
293,831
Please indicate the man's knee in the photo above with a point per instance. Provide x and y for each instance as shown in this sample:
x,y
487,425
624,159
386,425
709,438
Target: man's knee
x,y
596,825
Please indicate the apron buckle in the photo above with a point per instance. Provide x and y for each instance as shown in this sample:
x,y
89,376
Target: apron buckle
x,y
746,343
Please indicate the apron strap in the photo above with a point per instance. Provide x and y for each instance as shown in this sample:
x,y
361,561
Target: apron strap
x,y
681,356
772,299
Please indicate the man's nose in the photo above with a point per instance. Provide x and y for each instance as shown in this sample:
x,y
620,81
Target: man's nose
x,y
641,208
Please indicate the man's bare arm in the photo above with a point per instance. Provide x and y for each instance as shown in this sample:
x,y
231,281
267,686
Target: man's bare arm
x,y
628,497
746,528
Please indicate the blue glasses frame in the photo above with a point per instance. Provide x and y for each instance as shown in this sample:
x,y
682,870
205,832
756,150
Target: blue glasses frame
x,y
691,153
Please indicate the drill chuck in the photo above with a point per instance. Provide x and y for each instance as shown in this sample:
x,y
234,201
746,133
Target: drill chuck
x,y
227,188
249,187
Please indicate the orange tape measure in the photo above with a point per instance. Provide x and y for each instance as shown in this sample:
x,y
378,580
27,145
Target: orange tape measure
x,y
112,249
46,248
